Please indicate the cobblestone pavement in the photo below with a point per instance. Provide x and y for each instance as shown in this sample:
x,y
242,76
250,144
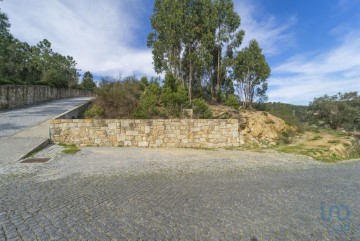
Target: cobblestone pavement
x,y
178,194
13,121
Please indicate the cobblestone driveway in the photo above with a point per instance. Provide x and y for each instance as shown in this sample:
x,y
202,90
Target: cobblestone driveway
x,y
161,194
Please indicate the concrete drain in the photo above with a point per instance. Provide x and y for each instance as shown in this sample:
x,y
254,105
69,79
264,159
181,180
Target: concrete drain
x,y
36,160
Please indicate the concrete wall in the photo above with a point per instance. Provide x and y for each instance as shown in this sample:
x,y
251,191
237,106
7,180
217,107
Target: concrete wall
x,y
147,133
75,112
13,96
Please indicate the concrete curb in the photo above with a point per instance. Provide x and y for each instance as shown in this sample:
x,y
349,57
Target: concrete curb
x,y
36,149
71,114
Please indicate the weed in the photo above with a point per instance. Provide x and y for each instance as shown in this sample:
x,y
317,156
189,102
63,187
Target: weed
x,y
269,122
69,148
287,137
316,138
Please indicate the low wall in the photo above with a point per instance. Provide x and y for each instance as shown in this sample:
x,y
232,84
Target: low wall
x,y
75,112
147,133
14,96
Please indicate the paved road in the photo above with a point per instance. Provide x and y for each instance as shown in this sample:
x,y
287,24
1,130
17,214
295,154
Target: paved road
x,y
23,130
13,121
163,194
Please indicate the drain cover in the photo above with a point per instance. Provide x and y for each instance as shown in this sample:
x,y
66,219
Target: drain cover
x,y
35,160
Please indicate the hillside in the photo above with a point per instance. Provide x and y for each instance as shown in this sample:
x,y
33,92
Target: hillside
x,y
257,128
260,129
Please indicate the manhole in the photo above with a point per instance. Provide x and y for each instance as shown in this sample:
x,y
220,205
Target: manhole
x,y
36,160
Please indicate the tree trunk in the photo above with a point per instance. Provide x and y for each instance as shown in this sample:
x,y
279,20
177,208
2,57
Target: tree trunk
x,y
190,80
218,72
190,77
211,85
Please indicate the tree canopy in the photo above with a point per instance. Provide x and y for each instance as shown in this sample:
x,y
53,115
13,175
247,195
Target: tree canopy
x,y
194,41
250,71
338,111
21,63
88,81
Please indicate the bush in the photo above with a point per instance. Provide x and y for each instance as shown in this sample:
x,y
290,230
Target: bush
x,y
174,101
355,151
232,101
287,137
201,109
94,112
118,99
149,100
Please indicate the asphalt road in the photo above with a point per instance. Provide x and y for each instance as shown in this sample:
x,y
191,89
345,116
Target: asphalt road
x,y
16,120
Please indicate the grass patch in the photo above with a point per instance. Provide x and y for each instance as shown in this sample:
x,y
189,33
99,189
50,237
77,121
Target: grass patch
x,y
336,132
334,141
318,153
69,149
316,138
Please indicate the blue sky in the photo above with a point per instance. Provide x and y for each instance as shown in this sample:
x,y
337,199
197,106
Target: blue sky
x,y
313,47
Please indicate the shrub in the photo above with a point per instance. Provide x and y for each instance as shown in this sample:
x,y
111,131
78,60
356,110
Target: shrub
x,y
287,136
174,101
316,138
201,109
355,151
232,101
149,100
94,112
118,99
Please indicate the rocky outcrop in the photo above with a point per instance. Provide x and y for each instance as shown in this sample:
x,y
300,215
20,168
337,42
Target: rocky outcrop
x,y
261,128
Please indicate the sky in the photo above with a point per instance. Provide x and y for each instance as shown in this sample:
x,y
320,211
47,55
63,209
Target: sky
x,y
313,47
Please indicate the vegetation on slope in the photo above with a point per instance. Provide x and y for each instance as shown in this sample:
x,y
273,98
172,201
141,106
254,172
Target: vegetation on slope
x,y
23,64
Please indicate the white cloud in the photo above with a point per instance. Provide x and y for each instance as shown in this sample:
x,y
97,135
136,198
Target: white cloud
x,y
272,35
98,34
304,77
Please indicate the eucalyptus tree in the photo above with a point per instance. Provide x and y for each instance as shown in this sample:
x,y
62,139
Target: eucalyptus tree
x,y
251,71
226,24
188,38
165,39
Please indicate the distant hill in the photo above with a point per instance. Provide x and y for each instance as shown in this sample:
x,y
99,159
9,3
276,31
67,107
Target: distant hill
x,y
291,114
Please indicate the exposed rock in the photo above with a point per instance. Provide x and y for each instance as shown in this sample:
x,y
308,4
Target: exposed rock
x,y
261,128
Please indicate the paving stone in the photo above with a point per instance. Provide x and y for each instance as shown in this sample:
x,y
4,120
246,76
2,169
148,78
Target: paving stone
x,y
163,194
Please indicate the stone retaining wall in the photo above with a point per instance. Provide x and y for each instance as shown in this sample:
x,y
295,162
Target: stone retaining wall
x,y
13,96
147,133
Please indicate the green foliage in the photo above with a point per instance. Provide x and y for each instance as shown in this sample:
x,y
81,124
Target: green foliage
x,y
70,149
201,109
88,81
334,141
251,71
316,138
141,99
149,101
173,97
118,98
287,137
355,151
232,101
338,111
293,115
94,112
187,40
21,63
